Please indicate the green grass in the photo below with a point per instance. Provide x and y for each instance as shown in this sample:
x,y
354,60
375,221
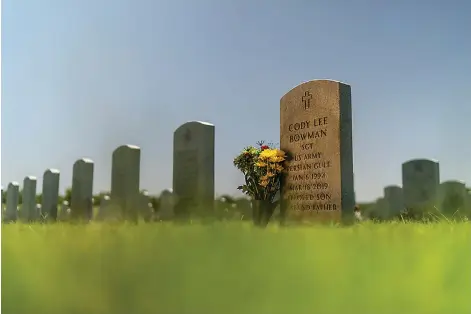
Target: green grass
x,y
235,269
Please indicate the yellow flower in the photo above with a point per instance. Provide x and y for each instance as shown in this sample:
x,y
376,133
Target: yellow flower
x,y
260,164
276,159
280,153
270,174
264,183
268,153
278,168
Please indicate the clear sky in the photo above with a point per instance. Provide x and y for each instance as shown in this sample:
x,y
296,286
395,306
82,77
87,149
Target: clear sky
x,y
81,77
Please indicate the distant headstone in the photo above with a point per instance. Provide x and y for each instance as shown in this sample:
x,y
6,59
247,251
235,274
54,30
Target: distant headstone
x,y
82,190
13,196
145,207
125,176
394,200
420,184
104,207
64,213
50,198
167,204
28,208
453,198
316,131
193,169
38,210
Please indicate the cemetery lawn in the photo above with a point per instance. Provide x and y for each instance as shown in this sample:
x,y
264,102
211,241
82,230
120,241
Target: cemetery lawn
x,y
232,268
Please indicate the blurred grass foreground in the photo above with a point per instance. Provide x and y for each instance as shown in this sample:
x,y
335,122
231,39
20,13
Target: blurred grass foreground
x,y
233,268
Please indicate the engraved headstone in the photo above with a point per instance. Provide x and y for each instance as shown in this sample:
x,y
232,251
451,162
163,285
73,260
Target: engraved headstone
x,y
193,169
167,202
28,208
82,190
420,184
394,200
316,132
50,197
453,198
125,176
13,196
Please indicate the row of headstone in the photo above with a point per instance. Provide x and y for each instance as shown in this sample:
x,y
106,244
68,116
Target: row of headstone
x,y
422,192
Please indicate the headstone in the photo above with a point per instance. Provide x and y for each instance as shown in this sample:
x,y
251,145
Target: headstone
x,y
420,184
64,213
13,196
38,210
125,177
104,207
145,207
50,194
468,202
453,198
167,204
82,190
316,132
394,200
193,169
28,208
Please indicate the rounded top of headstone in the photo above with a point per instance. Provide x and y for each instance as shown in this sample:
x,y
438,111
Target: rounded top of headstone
x,y
13,183
65,203
38,205
32,178
145,192
314,82
420,160
191,124
52,170
85,160
127,146
106,197
392,187
167,192
453,182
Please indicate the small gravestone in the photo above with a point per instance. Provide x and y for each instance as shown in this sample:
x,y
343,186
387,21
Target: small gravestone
x,y
125,176
167,203
193,169
394,200
38,210
50,198
316,132
453,198
28,208
420,184
104,207
82,190
13,196
145,207
64,212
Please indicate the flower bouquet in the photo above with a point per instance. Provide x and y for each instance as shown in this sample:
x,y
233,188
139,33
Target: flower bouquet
x,y
262,167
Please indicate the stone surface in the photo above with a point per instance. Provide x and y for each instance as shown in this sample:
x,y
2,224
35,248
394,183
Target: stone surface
x,y
420,184
28,208
167,202
13,196
394,200
125,177
38,210
145,206
50,191
193,169
316,131
453,198
82,190
104,207
64,213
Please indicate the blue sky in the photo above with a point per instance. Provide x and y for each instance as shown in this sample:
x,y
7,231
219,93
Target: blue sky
x,y
81,77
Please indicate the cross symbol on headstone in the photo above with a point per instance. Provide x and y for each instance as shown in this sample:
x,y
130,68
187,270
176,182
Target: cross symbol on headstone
x,y
187,135
307,99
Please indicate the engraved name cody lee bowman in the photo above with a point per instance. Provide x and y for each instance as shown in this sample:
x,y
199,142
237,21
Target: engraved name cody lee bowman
x,y
316,131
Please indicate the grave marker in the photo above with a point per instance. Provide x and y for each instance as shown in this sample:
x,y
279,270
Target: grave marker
x,y
394,200
316,131
28,208
125,177
193,169
453,198
420,184
50,191
82,190
13,196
